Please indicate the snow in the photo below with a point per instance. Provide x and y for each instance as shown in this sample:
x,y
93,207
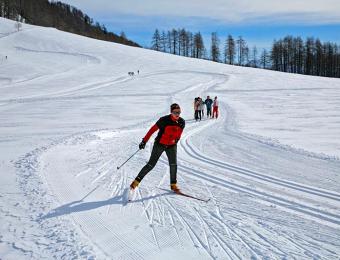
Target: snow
x,y
70,114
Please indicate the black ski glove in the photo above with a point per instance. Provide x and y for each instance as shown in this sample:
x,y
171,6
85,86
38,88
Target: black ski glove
x,y
142,145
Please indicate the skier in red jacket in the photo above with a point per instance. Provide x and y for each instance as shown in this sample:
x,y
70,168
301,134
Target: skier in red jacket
x,y
170,130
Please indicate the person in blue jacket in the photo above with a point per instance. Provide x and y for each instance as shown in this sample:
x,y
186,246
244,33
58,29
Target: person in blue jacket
x,y
208,102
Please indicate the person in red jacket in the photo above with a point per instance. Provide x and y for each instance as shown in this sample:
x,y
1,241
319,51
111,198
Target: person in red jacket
x,y
215,108
170,128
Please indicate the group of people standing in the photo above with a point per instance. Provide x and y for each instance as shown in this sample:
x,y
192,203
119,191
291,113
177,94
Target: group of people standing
x,y
199,105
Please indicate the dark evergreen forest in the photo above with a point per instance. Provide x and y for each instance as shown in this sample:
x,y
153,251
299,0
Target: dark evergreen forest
x,y
61,16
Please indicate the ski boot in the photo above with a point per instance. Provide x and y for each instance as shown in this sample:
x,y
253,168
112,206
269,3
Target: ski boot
x,y
174,187
134,184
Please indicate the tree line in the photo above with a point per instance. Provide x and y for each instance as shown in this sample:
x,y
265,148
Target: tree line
x,y
185,43
309,57
290,54
61,16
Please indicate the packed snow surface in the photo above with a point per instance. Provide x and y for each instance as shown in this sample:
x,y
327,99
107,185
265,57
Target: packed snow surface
x,y
70,114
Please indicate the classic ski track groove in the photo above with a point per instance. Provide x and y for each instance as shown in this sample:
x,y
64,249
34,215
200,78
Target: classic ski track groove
x,y
318,213
257,176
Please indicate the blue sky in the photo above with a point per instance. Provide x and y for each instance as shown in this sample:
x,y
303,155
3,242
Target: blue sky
x,y
258,21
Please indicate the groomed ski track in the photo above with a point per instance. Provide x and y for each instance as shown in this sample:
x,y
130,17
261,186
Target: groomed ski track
x,y
252,213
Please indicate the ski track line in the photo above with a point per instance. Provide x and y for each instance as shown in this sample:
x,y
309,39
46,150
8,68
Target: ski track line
x,y
289,195
84,172
219,240
219,221
150,221
174,227
230,231
239,170
284,235
189,230
115,190
80,90
261,177
319,215
203,227
103,172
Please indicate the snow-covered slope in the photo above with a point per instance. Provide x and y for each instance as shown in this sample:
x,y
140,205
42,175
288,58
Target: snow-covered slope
x,y
70,114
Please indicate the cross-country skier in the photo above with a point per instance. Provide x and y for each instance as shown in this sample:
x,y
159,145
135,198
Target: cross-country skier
x,y
170,130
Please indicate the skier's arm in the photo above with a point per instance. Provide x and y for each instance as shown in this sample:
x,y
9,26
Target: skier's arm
x,y
182,126
153,129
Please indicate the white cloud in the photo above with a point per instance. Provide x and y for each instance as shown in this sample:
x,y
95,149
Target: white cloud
x,y
233,11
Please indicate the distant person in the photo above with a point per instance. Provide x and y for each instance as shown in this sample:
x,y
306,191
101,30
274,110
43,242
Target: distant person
x,y
196,108
198,114
201,107
215,108
208,102
138,72
170,130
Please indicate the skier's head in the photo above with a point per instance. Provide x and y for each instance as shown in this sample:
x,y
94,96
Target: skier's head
x,y
216,97
208,97
175,110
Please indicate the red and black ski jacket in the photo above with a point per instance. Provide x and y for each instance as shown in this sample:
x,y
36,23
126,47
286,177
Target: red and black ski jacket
x,y
170,130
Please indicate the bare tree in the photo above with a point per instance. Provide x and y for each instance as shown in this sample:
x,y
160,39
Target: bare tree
x,y
264,60
215,47
156,41
241,48
199,49
229,51
254,60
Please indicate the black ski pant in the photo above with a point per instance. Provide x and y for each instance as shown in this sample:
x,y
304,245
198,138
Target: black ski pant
x,y
208,112
198,115
157,150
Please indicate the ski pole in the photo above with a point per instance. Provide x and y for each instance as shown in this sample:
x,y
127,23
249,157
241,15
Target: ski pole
x,y
118,167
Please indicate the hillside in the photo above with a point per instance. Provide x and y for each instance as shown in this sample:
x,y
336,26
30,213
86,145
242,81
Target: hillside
x,y
59,15
70,114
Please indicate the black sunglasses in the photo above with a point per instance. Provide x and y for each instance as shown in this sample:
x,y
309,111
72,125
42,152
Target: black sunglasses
x,y
176,113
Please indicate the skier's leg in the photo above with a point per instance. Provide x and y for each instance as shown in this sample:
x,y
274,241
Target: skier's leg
x,y
171,153
216,112
157,151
